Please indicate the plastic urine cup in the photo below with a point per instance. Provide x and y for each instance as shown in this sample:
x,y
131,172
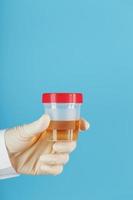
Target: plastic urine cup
x,y
64,112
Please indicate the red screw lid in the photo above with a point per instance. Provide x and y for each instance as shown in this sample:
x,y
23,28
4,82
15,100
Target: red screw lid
x,y
62,98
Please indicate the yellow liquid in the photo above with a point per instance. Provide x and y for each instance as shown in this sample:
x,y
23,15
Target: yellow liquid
x,y
63,130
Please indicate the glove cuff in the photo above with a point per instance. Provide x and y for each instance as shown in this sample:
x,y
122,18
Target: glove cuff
x,y
6,168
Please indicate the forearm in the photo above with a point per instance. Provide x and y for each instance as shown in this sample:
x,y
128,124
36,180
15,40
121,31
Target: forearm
x,y
6,169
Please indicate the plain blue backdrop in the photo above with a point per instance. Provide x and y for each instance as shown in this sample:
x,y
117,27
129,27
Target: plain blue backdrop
x,y
77,46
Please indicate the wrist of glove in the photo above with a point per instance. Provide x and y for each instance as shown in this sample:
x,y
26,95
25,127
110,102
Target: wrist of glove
x,y
31,153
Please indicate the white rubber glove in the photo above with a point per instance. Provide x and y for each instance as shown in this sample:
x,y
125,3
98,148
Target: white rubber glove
x,y
31,153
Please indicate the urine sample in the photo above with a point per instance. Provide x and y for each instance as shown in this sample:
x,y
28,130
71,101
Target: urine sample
x,y
64,112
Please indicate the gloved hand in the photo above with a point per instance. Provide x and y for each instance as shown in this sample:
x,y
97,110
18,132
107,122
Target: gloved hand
x,y
31,153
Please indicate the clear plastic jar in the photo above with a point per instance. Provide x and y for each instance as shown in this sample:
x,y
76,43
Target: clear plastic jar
x,y
64,112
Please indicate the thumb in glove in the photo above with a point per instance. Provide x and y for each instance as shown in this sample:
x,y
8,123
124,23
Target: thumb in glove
x,y
21,137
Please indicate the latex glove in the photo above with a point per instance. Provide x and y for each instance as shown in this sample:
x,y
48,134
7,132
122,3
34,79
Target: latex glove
x,y
31,153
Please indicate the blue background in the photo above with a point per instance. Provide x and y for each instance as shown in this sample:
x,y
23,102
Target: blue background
x,y
78,46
